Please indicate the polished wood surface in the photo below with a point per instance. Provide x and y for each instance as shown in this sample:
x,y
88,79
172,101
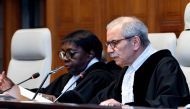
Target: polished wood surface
x,y
37,105
12,22
65,16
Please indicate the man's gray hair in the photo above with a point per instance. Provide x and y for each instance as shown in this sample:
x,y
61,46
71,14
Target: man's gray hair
x,y
131,26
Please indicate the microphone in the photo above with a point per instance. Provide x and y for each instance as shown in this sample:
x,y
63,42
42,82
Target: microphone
x,y
51,72
56,69
34,76
81,75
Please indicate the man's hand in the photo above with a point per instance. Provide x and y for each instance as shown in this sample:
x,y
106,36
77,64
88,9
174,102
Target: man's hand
x,y
5,83
110,102
49,97
15,92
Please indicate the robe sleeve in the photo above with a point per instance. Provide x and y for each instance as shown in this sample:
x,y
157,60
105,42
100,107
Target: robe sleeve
x,y
168,86
111,91
106,93
88,87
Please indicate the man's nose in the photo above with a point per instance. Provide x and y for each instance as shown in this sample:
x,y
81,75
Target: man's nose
x,y
109,49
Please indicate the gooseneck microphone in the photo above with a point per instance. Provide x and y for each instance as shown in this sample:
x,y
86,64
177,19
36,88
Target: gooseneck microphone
x,y
51,72
56,69
34,76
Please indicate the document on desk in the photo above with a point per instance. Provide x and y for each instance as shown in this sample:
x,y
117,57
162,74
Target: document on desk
x,y
26,93
187,106
4,97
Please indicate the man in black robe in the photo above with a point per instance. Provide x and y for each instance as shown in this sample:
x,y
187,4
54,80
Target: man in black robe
x,y
81,53
149,77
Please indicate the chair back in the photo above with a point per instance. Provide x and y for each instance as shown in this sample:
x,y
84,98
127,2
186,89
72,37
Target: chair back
x,y
163,41
31,52
183,53
187,17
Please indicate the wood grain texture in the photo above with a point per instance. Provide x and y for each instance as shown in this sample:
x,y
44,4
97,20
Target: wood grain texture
x,y
65,16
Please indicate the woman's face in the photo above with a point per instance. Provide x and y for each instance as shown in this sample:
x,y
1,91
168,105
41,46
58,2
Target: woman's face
x,y
74,57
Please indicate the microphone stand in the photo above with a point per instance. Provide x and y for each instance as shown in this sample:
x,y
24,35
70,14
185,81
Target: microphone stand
x,y
34,76
16,84
51,72
24,81
41,85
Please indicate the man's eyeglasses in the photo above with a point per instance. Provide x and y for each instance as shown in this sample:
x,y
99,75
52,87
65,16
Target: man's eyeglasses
x,y
114,43
68,54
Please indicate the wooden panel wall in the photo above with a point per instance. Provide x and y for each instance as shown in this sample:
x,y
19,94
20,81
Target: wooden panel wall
x,y
12,22
64,16
170,15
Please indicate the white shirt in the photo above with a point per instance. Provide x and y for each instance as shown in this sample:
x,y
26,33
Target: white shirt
x,y
71,84
128,79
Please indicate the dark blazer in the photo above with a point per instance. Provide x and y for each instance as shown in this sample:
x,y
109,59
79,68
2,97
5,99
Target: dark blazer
x,y
159,82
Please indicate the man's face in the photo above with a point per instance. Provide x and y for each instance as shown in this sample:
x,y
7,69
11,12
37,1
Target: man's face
x,y
121,49
75,58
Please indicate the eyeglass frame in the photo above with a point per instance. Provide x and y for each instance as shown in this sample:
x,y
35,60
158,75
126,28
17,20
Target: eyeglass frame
x,y
113,44
67,54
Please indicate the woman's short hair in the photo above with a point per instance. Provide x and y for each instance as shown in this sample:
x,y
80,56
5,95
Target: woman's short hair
x,y
85,39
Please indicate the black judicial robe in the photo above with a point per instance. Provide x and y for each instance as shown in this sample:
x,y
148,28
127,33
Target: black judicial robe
x,y
96,78
159,82
114,69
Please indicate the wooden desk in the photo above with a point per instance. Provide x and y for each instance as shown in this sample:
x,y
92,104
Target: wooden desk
x,y
37,105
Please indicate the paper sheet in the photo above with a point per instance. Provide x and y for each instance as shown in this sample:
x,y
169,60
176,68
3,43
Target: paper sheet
x,y
26,93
